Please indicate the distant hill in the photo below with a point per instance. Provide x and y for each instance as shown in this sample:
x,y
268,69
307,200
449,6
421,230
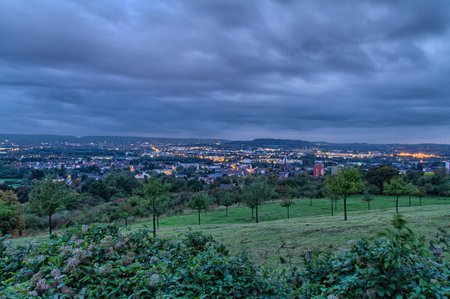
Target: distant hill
x,y
271,143
38,138
30,139
33,139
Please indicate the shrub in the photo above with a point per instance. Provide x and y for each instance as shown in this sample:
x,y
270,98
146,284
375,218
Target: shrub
x,y
98,261
395,265
34,222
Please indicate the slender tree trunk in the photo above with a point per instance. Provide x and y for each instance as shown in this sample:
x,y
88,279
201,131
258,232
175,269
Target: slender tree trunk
x,y
154,217
409,200
199,216
288,212
157,221
253,217
50,224
126,222
396,204
226,211
368,204
257,218
332,213
345,207
335,204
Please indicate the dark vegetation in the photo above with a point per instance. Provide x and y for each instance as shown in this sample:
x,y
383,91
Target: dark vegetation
x,y
98,261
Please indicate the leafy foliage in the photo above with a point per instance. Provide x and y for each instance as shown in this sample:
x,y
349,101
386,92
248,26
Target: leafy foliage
x,y
395,265
11,218
347,182
98,261
48,198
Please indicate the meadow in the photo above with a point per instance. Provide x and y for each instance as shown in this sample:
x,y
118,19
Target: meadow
x,y
310,227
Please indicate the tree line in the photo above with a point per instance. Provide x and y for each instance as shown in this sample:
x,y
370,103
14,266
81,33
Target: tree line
x,y
120,197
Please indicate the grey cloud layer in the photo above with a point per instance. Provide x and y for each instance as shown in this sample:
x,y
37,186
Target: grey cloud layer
x,y
336,70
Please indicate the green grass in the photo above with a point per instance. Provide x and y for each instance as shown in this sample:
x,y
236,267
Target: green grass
x,y
310,227
262,241
301,208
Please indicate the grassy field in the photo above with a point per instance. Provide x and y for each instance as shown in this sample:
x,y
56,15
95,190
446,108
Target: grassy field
x,y
301,208
309,228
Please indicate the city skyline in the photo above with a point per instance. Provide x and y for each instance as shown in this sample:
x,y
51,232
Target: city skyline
x,y
353,71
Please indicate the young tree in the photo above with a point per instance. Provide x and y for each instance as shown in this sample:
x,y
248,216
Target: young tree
x,y
287,203
369,194
11,219
396,187
256,193
332,194
199,202
128,208
368,198
347,182
421,192
47,198
413,190
226,200
155,194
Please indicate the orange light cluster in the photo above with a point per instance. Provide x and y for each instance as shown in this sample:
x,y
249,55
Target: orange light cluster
x,y
418,155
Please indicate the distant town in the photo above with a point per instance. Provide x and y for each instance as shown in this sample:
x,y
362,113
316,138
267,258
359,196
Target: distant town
x,y
203,159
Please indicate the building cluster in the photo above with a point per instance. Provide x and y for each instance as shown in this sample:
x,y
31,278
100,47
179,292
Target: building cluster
x,y
206,162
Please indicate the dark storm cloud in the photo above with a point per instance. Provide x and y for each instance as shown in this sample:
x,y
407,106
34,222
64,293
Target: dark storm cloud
x,y
321,70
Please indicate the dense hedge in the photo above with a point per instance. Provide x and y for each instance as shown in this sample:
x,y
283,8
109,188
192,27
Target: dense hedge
x,y
98,261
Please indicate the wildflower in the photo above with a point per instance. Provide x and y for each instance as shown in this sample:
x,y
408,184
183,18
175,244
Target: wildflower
x,y
65,249
72,263
84,228
42,285
55,273
119,245
59,277
106,242
106,269
66,290
129,258
154,259
36,277
33,294
154,280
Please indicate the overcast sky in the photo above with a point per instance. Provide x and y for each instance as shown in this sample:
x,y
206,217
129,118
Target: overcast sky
x,y
363,71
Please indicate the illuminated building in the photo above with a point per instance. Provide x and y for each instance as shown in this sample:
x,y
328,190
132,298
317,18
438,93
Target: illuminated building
x,y
318,169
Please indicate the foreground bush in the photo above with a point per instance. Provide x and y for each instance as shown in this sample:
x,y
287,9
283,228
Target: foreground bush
x,y
98,261
395,265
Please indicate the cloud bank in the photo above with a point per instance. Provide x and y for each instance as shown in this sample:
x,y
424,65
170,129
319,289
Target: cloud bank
x,y
367,71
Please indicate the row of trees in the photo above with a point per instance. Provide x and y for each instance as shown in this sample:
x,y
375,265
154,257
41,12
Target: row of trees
x,y
166,194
